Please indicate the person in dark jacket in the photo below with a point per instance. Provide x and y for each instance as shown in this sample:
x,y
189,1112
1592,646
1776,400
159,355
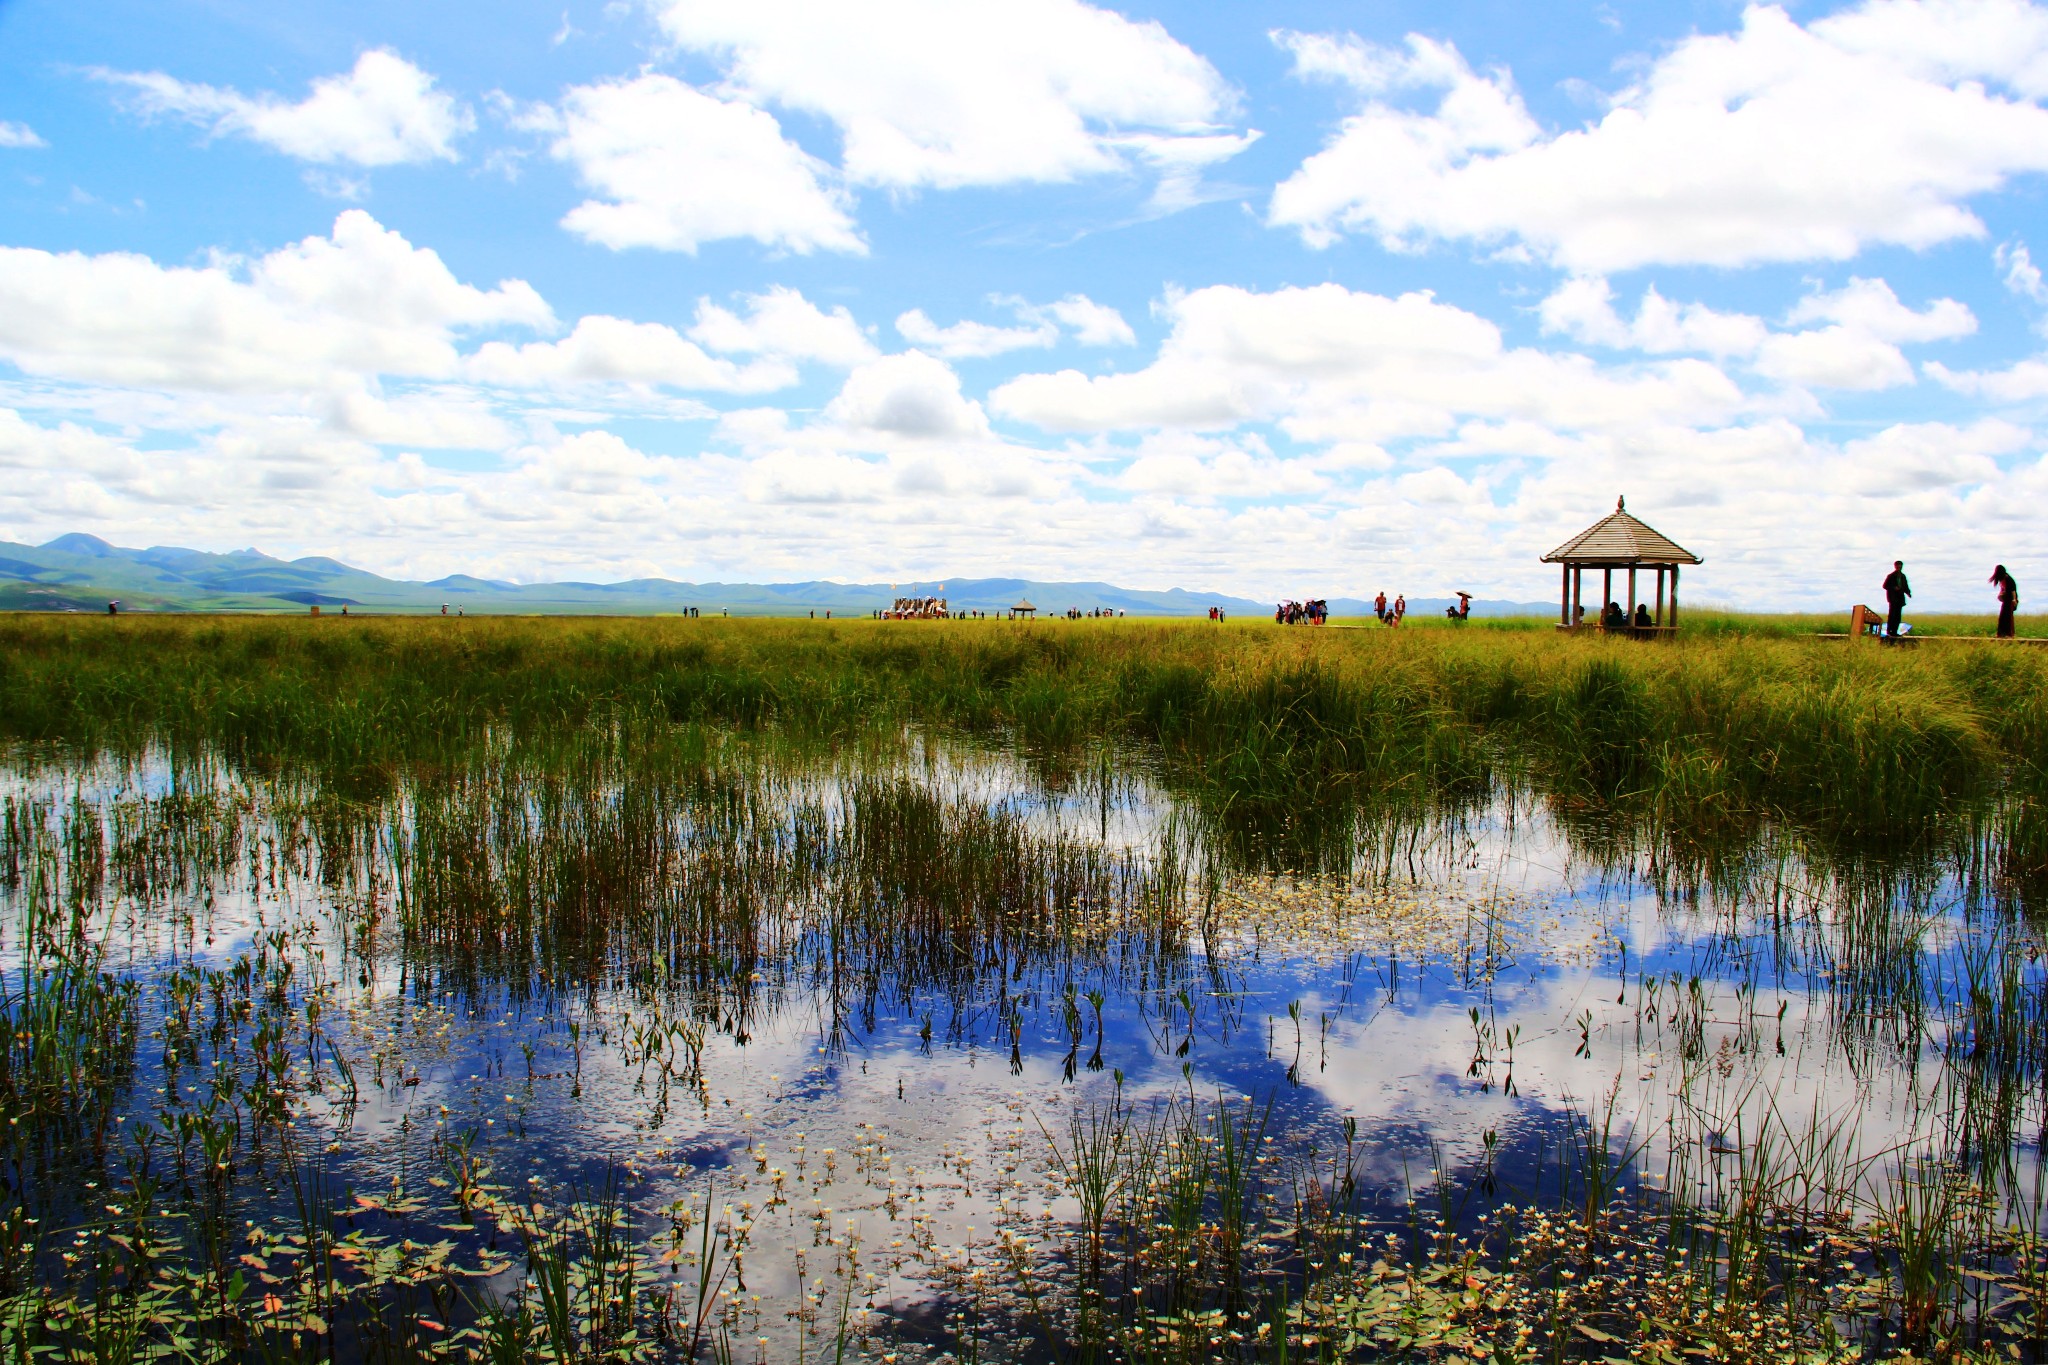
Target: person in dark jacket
x,y
1896,591
2008,600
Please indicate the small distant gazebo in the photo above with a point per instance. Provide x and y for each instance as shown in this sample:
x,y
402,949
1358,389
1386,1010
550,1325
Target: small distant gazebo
x,y
1023,607
1618,542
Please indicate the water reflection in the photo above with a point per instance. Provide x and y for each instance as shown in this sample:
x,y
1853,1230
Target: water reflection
x,y
858,1003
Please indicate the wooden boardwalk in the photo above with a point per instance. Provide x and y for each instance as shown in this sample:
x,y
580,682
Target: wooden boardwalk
x,y
2036,640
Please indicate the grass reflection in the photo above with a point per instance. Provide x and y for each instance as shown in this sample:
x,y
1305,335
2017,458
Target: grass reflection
x,y
411,994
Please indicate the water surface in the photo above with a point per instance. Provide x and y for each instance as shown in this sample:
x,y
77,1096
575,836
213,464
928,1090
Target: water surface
x,y
851,1005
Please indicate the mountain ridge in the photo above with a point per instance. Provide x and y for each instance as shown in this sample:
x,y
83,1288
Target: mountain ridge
x,y
81,572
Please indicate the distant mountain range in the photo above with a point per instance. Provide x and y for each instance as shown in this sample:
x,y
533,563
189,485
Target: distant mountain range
x,y
79,572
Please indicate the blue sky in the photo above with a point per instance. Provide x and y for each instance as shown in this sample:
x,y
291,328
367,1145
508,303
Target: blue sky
x,y
1279,299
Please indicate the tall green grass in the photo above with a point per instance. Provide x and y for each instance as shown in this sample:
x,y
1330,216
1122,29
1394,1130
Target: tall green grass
x,y
1861,743
557,807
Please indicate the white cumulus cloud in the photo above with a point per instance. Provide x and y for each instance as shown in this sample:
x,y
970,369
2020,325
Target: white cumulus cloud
x,y
782,322
1092,323
613,350
383,112
2019,383
19,135
1204,469
1582,308
1951,40
2021,275
1914,457
1773,143
674,168
972,339
424,422
1833,358
1038,325
361,300
908,395
1870,307
1858,350
1354,370
934,93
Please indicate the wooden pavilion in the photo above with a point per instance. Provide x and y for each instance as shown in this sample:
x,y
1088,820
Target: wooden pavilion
x,y
1023,608
1615,542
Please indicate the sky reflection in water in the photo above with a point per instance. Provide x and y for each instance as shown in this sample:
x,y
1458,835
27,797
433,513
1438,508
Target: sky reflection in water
x,y
1470,982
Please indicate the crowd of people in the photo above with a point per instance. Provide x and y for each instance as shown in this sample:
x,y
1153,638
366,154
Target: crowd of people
x,y
1316,610
1614,616
1313,612
937,609
917,609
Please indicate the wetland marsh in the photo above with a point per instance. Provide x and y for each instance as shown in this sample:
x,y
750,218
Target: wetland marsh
x,y
665,990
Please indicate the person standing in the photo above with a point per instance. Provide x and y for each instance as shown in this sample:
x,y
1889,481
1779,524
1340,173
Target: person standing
x,y
1379,606
1896,591
2008,600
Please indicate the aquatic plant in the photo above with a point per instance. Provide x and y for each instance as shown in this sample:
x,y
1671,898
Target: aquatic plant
x,y
293,906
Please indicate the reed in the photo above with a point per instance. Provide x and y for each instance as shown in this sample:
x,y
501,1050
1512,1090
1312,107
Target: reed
x,y
653,840
1277,727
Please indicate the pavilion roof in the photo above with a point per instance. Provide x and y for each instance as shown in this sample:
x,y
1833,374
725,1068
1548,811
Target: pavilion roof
x,y
1023,604
1620,539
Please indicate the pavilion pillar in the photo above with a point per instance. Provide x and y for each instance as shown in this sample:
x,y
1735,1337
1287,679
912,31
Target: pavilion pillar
x,y
1578,593
1631,594
1674,596
1659,617
1564,595
1606,592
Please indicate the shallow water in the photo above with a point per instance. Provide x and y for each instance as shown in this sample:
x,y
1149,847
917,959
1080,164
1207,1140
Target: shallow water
x,y
852,1003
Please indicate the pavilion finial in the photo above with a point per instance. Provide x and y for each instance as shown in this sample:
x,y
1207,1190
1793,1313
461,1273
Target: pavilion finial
x,y
1621,504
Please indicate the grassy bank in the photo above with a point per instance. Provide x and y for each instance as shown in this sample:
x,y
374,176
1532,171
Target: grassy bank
x,y
1859,742
1718,622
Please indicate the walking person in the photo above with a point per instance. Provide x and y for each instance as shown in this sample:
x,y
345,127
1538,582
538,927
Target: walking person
x,y
1896,591
1379,606
2008,600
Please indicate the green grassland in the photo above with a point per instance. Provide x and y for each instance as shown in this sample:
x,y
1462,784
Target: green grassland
x,y
1720,622
1723,725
